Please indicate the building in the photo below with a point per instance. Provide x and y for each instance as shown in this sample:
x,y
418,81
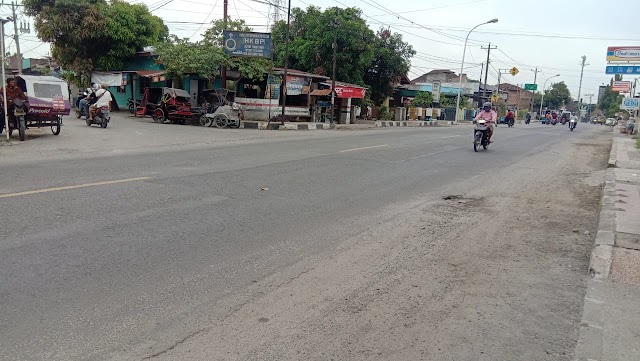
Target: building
x,y
601,90
516,97
443,75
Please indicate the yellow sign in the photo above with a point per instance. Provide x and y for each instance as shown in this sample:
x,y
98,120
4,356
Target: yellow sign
x,y
494,98
514,71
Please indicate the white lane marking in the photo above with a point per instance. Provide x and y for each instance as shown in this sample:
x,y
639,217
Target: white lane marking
x,y
55,189
354,149
451,136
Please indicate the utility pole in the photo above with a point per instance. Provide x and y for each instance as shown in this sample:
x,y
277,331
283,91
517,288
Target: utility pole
x,y
589,108
500,72
4,88
584,62
286,63
333,76
16,36
480,83
535,82
223,71
486,74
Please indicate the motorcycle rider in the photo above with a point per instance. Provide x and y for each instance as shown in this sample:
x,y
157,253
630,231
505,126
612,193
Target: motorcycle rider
x,y
89,100
510,117
103,99
487,113
13,92
528,118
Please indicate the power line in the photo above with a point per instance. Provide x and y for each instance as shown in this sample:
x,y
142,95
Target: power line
x,y
205,19
435,8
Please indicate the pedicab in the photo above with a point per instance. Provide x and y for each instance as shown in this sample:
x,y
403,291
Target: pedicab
x,y
48,101
224,113
167,104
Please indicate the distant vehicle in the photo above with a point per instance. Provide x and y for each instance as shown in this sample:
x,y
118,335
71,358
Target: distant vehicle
x,y
612,122
572,123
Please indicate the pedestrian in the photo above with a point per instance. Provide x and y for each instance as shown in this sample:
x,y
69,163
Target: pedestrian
x,y
630,126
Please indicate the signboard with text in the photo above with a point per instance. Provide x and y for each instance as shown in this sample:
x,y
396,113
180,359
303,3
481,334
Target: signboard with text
x,y
435,91
531,87
350,92
249,44
623,53
630,104
623,69
621,86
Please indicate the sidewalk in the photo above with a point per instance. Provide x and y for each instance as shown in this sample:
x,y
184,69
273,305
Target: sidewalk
x,y
610,327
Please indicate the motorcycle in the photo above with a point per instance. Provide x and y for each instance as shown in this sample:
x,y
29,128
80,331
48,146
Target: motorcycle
x,y
101,118
20,118
572,124
481,135
510,122
527,120
132,106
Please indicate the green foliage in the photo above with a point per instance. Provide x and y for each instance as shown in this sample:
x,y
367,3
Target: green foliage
x,y
384,113
422,100
392,60
90,34
205,57
610,102
557,96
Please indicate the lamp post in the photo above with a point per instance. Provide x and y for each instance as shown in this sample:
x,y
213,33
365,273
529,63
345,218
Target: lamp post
x,y
543,88
464,52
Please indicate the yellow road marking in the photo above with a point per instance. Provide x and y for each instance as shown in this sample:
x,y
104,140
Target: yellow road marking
x,y
354,149
26,193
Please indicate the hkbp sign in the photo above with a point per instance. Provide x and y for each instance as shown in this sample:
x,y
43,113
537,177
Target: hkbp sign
x,y
247,44
630,104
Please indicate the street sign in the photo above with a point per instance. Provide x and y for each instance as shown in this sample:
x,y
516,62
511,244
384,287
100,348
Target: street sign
x,y
630,104
435,91
532,87
247,44
514,71
623,69
494,98
623,53
621,86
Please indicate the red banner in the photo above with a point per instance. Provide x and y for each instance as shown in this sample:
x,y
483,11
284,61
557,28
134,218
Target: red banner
x,y
349,92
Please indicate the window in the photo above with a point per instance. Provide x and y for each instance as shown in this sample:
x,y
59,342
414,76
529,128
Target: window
x,y
145,82
47,91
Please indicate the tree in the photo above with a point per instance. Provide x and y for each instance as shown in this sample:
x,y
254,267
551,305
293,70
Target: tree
x,y
392,60
311,39
557,96
610,102
422,100
90,34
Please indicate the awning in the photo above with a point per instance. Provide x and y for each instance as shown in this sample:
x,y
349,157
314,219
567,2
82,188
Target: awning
x,y
321,92
150,73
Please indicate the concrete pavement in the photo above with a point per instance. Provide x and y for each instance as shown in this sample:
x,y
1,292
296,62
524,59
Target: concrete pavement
x,y
129,256
610,329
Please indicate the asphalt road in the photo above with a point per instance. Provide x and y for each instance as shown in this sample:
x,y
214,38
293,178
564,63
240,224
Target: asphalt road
x,y
118,257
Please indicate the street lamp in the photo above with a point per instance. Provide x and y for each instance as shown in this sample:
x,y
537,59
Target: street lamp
x,y
4,87
464,52
543,88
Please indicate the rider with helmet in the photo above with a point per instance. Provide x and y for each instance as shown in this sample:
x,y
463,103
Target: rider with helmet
x,y
487,113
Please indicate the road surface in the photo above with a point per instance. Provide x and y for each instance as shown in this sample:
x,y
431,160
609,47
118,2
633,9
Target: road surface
x,y
304,249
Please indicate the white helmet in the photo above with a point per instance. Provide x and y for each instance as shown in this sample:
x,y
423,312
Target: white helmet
x,y
96,87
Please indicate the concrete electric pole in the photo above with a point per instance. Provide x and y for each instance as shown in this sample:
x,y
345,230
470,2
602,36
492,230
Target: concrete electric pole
x,y
535,82
486,74
584,63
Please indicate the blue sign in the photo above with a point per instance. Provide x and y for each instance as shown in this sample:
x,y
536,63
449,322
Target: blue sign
x,y
249,44
631,104
623,69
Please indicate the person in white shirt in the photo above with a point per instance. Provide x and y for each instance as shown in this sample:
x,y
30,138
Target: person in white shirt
x,y
104,100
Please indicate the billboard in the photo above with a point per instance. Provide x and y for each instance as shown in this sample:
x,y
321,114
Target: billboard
x,y
621,86
623,53
623,69
435,91
630,104
249,44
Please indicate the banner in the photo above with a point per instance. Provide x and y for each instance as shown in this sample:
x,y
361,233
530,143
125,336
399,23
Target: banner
x,y
350,92
110,79
621,86
273,87
297,85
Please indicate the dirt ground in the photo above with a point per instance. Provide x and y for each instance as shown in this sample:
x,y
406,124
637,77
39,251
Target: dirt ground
x,y
495,272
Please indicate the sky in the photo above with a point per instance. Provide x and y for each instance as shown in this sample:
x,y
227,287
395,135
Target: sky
x,y
552,35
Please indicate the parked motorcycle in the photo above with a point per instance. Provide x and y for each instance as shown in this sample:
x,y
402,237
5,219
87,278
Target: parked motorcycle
x,y
102,117
19,122
481,135
133,106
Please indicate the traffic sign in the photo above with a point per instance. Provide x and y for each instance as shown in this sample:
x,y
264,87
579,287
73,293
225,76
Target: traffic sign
x,y
630,104
514,71
623,69
494,98
532,87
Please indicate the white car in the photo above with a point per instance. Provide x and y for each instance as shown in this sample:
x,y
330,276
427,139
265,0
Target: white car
x,y
611,122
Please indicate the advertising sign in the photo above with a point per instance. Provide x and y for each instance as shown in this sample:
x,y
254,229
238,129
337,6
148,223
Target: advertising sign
x,y
623,69
435,91
531,87
297,85
621,86
350,92
623,53
250,44
630,104
273,87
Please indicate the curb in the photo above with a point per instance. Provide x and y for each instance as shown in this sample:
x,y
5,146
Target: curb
x,y
286,126
602,253
412,123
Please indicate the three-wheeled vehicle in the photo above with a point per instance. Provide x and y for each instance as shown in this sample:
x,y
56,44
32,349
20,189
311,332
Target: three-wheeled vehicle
x,y
48,101
167,104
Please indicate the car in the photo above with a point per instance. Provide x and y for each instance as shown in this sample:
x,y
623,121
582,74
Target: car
x,y
611,122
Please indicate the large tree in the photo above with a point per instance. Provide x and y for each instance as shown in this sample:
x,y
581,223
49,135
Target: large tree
x,y
555,97
90,34
311,39
392,60
610,102
205,57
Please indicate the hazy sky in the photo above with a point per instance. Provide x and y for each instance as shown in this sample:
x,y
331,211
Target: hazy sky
x,y
552,35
